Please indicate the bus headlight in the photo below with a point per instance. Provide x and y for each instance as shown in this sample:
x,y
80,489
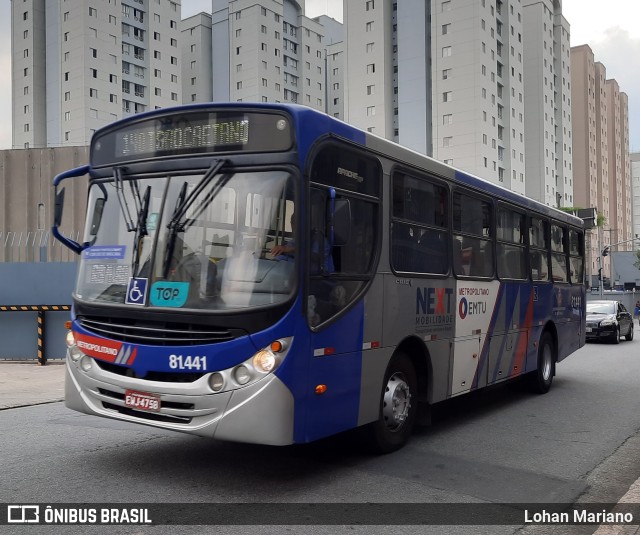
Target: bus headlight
x,y
262,363
74,352
70,339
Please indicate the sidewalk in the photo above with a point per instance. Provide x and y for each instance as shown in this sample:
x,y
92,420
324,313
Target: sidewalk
x,y
24,383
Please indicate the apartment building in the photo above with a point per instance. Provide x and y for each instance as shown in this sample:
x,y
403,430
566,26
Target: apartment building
x,y
197,59
334,66
261,51
547,98
371,85
81,64
601,164
457,80
635,188
620,185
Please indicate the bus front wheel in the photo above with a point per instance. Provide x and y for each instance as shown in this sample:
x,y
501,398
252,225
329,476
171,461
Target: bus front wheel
x,y
398,406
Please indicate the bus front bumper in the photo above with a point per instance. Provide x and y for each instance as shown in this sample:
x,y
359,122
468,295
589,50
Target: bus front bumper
x,y
260,413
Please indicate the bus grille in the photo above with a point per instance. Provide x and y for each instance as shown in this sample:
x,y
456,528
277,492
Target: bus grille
x,y
153,416
164,377
160,333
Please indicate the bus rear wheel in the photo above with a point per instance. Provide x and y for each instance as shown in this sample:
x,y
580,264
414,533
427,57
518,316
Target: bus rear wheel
x,y
398,406
540,380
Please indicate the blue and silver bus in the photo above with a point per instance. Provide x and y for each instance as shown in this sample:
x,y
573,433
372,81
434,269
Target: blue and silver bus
x,y
265,273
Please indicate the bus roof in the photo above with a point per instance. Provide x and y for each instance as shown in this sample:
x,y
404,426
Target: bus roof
x,y
311,124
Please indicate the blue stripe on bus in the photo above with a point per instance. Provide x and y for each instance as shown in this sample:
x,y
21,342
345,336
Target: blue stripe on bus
x,y
482,369
337,409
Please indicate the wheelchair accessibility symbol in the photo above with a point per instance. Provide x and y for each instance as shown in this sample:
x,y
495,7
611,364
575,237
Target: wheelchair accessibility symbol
x,y
136,291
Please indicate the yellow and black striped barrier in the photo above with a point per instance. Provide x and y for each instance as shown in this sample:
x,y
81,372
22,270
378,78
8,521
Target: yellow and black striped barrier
x,y
40,309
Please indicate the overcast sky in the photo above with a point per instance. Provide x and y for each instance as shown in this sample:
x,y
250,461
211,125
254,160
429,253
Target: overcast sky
x,y
611,28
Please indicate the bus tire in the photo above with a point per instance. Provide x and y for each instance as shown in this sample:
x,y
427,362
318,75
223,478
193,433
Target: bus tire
x,y
398,406
540,380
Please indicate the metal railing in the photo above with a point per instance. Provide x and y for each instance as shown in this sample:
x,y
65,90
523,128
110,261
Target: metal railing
x,y
34,246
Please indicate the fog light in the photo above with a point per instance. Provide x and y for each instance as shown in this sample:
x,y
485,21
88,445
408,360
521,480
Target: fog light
x,y
75,353
241,375
216,382
86,364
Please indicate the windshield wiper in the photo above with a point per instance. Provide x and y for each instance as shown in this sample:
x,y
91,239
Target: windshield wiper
x,y
124,206
184,202
141,229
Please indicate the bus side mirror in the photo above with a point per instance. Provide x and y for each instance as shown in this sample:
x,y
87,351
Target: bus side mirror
x,y
97,216
58,208
341,219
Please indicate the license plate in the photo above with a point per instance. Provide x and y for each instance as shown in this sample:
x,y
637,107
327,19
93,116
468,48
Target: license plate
x,y
588,329
142,401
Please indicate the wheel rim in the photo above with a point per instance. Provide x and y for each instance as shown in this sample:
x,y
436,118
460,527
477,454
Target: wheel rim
x,y
546,362
396,402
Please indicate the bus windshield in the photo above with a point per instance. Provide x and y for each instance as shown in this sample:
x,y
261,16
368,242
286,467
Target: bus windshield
x,y
190,241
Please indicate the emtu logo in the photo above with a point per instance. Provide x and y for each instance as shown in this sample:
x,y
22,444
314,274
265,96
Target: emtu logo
x,y
463,308
471,308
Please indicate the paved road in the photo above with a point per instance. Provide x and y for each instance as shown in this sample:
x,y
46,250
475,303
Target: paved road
x,y
579,442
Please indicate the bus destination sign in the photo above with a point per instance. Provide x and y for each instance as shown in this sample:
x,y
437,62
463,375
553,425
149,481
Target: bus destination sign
x,y
195,132
206,135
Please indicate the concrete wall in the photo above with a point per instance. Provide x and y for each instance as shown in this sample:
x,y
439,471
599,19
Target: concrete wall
x,y
27,195
628,299
45,283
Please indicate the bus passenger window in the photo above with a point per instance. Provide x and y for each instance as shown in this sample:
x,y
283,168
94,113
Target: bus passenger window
x,y
336,273
419,234
511,245
538,245
472,228
576,258
558,256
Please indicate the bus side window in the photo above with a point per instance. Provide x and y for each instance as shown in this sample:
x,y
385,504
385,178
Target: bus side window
x,y
419,223
457,257
472,226
404,248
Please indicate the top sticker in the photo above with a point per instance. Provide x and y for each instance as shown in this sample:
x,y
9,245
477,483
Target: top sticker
x,y
169,294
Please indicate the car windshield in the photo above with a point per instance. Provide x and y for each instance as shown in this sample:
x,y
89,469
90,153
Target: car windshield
x,y
194,242
601,308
